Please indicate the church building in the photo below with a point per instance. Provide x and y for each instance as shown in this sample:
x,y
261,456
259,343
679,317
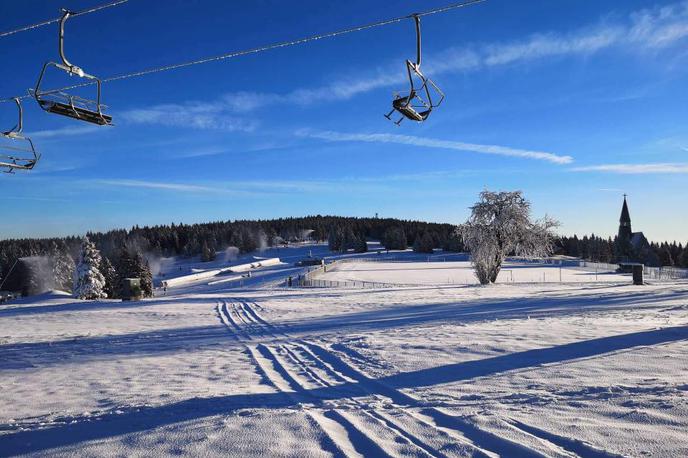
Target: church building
x,y
633,246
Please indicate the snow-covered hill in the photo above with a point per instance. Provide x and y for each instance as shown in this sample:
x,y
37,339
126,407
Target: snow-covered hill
x,y
542,369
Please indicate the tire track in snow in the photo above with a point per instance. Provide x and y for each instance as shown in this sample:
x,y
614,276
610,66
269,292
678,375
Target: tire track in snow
x,y
574,446
226,319
392,419
340,437
330,371
286,380
383,418
485,442
355,437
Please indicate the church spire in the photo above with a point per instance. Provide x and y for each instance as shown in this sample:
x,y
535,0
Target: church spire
x,y
625,215
625,231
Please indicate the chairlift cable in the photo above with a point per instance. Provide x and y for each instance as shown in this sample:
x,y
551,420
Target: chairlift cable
x,y
283,44
57,19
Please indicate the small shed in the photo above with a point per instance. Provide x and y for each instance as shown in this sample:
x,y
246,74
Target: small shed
x,y
131,289
310,262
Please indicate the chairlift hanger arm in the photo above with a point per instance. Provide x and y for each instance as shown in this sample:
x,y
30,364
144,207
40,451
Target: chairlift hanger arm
x,y
17,129
65,15
419,52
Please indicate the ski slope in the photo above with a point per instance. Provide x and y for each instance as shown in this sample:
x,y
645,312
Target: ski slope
x,y
525,369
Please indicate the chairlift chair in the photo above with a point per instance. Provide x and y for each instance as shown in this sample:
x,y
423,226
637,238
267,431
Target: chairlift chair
x,y
23,156
418,104
66,104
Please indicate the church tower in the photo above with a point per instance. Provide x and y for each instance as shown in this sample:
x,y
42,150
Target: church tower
x,y
625,232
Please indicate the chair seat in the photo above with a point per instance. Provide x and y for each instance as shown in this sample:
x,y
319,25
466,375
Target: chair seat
x,y
412,114
76,112
17,163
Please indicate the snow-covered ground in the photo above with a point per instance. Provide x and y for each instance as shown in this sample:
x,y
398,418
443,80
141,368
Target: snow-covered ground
x,y
461,273
543,369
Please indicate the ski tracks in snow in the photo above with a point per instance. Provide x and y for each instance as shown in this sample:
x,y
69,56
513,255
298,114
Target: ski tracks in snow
x,y
363,417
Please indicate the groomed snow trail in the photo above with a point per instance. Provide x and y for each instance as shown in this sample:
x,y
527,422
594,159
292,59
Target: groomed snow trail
x,y
366,417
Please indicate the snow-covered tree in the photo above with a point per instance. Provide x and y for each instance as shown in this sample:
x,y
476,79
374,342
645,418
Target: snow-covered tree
x,y
88,280
500,225
62,266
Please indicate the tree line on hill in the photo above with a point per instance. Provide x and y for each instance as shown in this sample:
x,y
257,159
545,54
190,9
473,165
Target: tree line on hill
x,y
598,249
50,263
36,265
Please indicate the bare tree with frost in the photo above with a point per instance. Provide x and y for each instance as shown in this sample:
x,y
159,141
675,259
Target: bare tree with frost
x,y
89,282
500,225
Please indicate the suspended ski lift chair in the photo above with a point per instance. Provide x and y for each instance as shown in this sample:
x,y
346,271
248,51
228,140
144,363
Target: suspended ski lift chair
x,y
18,151
418,104
65,104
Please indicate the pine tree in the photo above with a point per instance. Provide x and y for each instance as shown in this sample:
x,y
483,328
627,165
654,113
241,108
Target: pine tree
x,y
665,256
684,258
207,252
423,243
88,280
111,287
146,280
335,239
453,242
62,266
361,245
395,239
135,266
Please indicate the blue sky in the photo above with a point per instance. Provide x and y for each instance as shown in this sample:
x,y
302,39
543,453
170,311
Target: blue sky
x,y
575,103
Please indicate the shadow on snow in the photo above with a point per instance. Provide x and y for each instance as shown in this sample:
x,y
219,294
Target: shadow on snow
x,y
78,429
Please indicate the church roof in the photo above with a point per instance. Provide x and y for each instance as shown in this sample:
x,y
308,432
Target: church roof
x,y
625,215
638,240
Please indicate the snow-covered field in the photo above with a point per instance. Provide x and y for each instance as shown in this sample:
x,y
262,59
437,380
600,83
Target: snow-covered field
x,y
541,369
461,273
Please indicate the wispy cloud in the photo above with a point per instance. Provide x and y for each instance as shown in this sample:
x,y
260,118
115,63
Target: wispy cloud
x,y
272,187
649,29
191,115
435,143
66,131
170,186
636,169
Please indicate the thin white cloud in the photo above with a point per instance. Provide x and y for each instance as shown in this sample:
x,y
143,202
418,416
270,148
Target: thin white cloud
x,y
269,187
644,30
67,131
435,143
171,186
235,188
191,115
635,169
